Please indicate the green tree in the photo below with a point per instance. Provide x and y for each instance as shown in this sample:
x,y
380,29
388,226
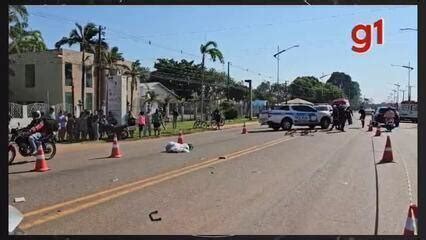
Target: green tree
x,y
350,88
134,71
210,49
86,39
311,89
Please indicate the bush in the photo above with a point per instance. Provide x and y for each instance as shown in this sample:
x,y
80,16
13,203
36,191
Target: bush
x,y
230,113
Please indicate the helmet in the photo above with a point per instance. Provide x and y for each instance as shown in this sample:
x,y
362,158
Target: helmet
x,y
36,114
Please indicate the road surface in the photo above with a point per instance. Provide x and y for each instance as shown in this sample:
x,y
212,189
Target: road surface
x,y
264,182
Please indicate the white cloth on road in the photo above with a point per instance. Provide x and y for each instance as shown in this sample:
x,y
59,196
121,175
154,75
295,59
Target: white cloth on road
x,y
174,147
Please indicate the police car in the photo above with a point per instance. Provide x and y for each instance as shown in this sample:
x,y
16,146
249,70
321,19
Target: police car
x,y
286,116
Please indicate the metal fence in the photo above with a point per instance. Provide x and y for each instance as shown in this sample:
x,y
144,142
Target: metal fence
x,y
16,110
42,107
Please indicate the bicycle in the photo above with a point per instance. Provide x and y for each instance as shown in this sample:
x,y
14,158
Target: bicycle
x,y
200,124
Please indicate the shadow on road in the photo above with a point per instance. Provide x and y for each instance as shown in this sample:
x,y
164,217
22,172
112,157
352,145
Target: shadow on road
x,y
98,158
22,162
262,131
18,172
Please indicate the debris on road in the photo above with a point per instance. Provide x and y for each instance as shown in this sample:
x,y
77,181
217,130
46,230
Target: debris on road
x,y
174,147
211,172
152,218
222,157
114,179
19,199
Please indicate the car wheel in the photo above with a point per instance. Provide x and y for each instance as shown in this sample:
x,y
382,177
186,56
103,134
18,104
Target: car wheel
x,y
286,124
325,123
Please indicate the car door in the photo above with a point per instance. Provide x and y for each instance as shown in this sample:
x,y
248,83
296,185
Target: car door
x,y
304,115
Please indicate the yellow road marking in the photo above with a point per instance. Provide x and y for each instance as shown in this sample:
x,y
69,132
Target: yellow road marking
x,y
131,187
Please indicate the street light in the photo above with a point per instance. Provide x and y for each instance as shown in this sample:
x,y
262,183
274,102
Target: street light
x,y
276,55
408,29
409,70
397,94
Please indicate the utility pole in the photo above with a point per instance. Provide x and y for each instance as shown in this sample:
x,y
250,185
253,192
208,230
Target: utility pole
x,y
403,93
227,85
251,99
278,65
285,91
397,95
409,86
99,82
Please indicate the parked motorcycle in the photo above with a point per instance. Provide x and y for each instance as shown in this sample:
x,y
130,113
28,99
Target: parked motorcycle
x,y
122,131
19,140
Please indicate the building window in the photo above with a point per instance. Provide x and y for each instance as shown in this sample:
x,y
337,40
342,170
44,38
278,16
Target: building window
x,y
89,77
68,74
89,101
29,75
68,102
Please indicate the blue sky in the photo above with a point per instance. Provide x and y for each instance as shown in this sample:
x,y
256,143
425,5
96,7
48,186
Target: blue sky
x,y
248,36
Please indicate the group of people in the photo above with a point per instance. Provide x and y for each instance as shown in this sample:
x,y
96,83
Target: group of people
x,y
340,115
148,122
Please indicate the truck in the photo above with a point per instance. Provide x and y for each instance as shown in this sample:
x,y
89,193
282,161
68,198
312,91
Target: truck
x,y
408,111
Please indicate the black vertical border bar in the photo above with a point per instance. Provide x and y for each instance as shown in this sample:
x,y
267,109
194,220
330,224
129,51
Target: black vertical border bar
x,y
421,92
4,102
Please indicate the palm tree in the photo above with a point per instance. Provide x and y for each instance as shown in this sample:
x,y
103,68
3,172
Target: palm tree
x,y
135,71
111,58
18,14
85,37
26,41
210,48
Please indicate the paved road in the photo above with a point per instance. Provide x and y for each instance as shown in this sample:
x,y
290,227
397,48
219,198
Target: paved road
x,y
264,182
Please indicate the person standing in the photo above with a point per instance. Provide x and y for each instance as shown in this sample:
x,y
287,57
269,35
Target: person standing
x,y
175,117
156,122
83,125
335,116
362,116
90,126
95,126
71,124
141,123
52,114
147,127
349,115
342,117
62,119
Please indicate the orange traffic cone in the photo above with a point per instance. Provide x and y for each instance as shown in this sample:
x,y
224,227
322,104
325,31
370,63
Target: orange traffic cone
x,y
41,163
387,154
115,153
244,129
411,223
180,138
378,132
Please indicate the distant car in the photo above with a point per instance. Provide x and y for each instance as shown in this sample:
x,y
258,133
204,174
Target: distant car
x,y
408,111
286,116
378,118
324,108
369,111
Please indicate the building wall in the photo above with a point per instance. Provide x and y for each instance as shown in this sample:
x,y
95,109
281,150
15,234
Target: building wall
x,y
48,87
49,77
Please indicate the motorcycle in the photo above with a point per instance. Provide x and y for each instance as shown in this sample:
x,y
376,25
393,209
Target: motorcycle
x,y
389,124
19,140
122,131
15,218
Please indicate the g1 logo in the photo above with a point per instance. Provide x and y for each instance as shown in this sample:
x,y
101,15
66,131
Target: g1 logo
x,y
363,45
